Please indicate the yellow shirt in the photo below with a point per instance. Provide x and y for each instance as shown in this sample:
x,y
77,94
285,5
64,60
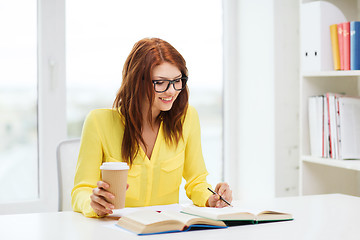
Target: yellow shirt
x,y
153,181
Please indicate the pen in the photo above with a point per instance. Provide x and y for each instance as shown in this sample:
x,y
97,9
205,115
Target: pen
x,y
219,196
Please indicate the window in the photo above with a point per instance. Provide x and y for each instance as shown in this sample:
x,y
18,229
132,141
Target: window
x,y
32,103
18,101
99,41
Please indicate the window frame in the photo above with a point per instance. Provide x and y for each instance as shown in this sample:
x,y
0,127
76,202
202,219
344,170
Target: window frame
x,y
51,109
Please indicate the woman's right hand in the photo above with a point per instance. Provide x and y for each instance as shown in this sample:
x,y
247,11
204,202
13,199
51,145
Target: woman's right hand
x,y
100,199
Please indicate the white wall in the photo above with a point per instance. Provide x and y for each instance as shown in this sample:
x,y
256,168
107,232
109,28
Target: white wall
x,y
287,96
256,99
261,105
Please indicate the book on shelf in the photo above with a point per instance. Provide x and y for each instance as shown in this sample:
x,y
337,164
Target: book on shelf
x,y
349,115
319,126
331,103
335,46
355,45
325,127
338,132
340,27
144,222
346,48
316,124
334,126
346,45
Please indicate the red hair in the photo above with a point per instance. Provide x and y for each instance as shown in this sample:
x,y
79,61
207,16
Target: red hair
x,y
137,87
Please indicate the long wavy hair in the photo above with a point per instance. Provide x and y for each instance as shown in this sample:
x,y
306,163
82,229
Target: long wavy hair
x,y
137,87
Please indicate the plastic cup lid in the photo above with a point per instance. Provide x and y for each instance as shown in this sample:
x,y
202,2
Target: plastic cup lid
x,y
114,166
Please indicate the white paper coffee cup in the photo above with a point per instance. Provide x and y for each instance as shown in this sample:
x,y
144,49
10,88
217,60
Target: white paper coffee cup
x,y
115,174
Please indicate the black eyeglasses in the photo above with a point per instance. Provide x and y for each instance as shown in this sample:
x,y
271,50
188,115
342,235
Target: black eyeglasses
x,y
161,86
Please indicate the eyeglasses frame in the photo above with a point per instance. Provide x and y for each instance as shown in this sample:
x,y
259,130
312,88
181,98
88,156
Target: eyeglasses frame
x,y
183,78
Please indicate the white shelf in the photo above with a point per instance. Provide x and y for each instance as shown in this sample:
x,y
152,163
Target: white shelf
x,y
325,175
352,73
345,164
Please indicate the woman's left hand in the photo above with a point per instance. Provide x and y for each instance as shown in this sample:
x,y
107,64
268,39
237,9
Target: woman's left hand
x,y
224,191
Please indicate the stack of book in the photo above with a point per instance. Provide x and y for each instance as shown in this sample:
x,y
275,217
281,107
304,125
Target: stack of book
x,y
334,126
345,43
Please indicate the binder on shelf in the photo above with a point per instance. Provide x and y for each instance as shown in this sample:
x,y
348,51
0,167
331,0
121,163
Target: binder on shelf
x,y
335,46
355,45
319,126
338,133
349,114
340,27
331,99
326,135
334,126
316,51
346,45
316,125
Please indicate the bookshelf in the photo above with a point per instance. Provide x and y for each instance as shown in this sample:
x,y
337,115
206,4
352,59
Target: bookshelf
x,y
322,175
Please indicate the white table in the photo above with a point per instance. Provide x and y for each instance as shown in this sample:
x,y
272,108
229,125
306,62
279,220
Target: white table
x,y
333,216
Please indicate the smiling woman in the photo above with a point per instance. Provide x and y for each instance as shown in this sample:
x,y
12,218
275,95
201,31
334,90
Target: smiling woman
x,y
97,49
147,129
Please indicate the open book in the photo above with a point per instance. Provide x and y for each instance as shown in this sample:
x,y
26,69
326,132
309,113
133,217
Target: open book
x,y
236,215
145,222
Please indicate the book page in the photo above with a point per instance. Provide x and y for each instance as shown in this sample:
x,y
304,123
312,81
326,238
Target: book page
x,y
273,216
226,213
147,217
236,213
149,221
125,211
188,219
184,218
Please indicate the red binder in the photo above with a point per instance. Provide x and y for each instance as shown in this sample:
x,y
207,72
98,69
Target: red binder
x,y
340,27
346,37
